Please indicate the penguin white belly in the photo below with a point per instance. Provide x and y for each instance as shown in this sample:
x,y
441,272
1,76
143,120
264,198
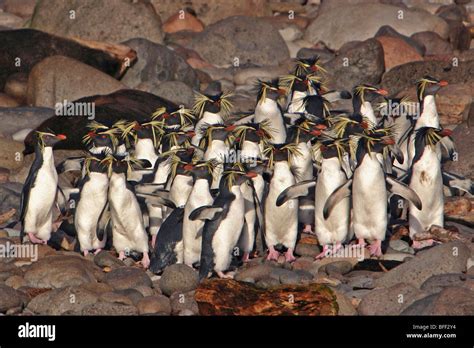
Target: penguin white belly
x,y
281,222
367,111
180,189
208,118
427,182
250,150
144,150
39,213
369,200
91,204
296,104
228,233
127,222
301,163
163,171
219,152
268,110
247,238
192,230
335,229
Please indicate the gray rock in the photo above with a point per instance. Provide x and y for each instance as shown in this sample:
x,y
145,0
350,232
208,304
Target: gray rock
x,y
10,298
106,259
462,136
58,271
145,290
178,277
304,249
361,282
9,199
358,294
183,302
251,40
127,277
59,301
157,63
175,91
438,282
365,64
389,301
101,20
342,24
337,267
105,308
324,54
10,21
401,246
154,304
256,272
267,282
345,306
445,258
16,119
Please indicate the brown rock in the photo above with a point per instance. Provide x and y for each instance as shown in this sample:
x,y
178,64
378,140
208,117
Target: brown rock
x,y
11,154
22,8
7,102
113,297
106,308
16,86
450,301
9,298
280,21
154,304
454,103
182,21
127,277
97,288
345,305
463,136
15,282
460,209
434,44
397,52
229,297
183,301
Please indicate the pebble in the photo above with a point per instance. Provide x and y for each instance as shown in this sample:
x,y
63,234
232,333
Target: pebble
x,y
178,277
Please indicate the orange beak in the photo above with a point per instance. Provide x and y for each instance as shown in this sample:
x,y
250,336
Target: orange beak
x,y
315,132
388,141
382,92
61,137
190,134
188,166
320,126
281,91
442,83
230,128
251,175
446,132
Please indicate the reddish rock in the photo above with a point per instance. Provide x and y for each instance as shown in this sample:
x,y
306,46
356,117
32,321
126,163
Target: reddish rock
x,y
434,44
182,21
197,63
454,102
397,52
7,102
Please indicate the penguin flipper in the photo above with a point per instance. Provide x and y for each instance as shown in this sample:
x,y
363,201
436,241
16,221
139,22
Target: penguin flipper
x,y
299,190
395,150
398,188
448,144
156,189
207,212
156,200
70,164
243,120
338,195
458,182
103,222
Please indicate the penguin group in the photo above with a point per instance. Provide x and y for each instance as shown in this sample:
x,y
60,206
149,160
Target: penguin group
x,y
208,188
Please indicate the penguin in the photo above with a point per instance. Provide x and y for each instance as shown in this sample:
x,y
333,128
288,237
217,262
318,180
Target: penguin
x,y
268,109
200,196
369,185
333,231
39,192
363,95
91,205
104,138
281,222
128,230
211,110
224,220
425,175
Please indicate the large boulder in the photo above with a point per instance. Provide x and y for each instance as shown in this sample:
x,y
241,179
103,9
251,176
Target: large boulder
x,y
450,301
251,41
178,277
397,52
9,298
127,277
112,21
463,136
59,78
175,91
16,119
338,25
157,63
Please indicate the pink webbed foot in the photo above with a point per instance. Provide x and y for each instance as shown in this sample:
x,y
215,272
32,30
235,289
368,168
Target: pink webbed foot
x,y
375,248
228,275
289,257
323,253
85,253
308,229
145,260
272,254
35,240
97,251
246,257
361,242
153,240
122,255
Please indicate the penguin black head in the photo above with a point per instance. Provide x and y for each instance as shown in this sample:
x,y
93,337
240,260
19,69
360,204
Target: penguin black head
x,y
331,147
235,174
104,135
364,92
49,139
173,117
96,163
177,138
316,105
217,103
253,132
428,86
201,169
302,83
269,89
308,66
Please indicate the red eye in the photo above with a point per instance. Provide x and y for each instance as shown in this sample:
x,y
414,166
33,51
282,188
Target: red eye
x,y
103,136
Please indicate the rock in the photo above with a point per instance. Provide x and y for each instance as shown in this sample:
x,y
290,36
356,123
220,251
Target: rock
x,y
93,20
178,277
182,21
15,282
363,63
132,294
291,33
397,52
324,54
9,20
389,301
97,288
105,308
346,23
433,43
7,102
154,304
249,76
21,8
393,255
388,31
157,63
441,259
361,282
175,91
401,246
450,301
459,35
61,270
145,290
10,200
16,86
464,140
127,277
183,302
438,282
9,298
267,282
281,21
309,250
344,304
106,259
285,276
405,76
113,297
230,297
60,301
249,40
211,11
454,103
337,267
4,177
58,78
255,273
11,154
16,119
33,46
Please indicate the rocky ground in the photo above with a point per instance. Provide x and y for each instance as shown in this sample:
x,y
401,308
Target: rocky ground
x,y
76,48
